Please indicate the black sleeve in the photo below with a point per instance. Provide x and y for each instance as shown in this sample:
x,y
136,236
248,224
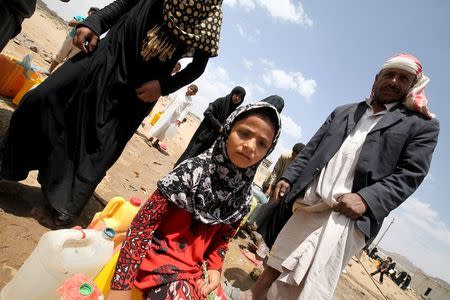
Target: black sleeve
x,y
192,71
210,114
102,20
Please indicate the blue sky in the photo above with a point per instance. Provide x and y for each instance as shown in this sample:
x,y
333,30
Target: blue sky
x,y
321,54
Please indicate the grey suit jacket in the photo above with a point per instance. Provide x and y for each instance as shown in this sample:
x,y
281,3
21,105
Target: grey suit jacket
x,y
394,159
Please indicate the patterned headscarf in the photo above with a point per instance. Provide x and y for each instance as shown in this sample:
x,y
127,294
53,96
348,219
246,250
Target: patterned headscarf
x,y
415,99
195,24
210,186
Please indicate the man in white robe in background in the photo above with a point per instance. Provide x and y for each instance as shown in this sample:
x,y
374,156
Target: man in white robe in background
x,y
173,114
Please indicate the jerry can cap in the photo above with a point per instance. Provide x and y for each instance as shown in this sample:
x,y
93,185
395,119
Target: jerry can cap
x,y
136,201
109,233
86,289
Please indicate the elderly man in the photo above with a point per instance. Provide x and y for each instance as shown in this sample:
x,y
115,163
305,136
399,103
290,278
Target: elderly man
x,y
365,160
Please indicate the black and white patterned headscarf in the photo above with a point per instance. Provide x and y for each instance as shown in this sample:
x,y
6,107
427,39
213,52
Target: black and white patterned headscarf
x,y
196,24
210,186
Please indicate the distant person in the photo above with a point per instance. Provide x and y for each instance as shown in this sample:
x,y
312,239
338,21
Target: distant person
x,y
373,252
406,282
383,268
281,165
275,101
68,49
12,14
212,125
365,160
400,278
84,113
174,114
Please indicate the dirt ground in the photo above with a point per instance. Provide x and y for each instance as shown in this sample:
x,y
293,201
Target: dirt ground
x,y
23,217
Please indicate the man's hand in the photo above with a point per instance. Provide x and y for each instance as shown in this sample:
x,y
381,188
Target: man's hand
x,y
83,35
281,189
269,191
149,91
351,205
214,281
118,295
177,123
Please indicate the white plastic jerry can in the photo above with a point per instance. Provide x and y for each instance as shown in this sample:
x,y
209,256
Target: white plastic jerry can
x,y
58,256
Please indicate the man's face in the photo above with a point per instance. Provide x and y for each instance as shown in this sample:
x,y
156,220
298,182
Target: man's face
x,y
191,91
236,98
392,85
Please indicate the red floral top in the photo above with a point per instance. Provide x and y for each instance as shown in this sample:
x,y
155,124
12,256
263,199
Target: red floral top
x,y
165,244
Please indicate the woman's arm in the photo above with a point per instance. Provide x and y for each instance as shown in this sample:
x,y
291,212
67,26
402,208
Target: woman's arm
x,y
102,20
192,71
210,117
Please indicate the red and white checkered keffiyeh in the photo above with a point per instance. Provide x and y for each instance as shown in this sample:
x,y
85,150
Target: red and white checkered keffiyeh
x,y
415,99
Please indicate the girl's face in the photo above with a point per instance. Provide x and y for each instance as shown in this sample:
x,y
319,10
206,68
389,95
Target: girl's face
x,y
249,141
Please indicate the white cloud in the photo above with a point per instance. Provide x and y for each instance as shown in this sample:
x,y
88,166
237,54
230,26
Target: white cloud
x,y
294,81
248,64
251,36
245,4
421,214
239,29
266,62
254,92
290,127
284,10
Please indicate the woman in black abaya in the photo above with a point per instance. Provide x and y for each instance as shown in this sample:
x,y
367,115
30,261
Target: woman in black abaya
x,y
74,126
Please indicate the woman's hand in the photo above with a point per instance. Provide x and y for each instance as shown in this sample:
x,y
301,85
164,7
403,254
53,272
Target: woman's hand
x,y
149,91
214,282
83,35
118,295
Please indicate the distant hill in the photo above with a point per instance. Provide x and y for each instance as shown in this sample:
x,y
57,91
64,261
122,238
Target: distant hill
x,y
52,13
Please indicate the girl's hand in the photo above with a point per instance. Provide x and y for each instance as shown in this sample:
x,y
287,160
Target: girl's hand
x,y
118,295
214,282
83,35
149,91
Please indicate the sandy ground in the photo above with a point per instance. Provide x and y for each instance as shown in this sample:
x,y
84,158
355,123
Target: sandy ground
x,y
23,217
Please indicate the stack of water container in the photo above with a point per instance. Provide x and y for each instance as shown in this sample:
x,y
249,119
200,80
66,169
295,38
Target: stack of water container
x,y
64,254
17,77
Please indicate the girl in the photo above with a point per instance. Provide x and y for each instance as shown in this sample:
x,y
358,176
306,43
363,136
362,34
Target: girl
x,y
79,120
195,211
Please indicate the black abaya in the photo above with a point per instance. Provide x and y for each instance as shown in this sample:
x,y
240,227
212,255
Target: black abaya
x,y
75,125
12,14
